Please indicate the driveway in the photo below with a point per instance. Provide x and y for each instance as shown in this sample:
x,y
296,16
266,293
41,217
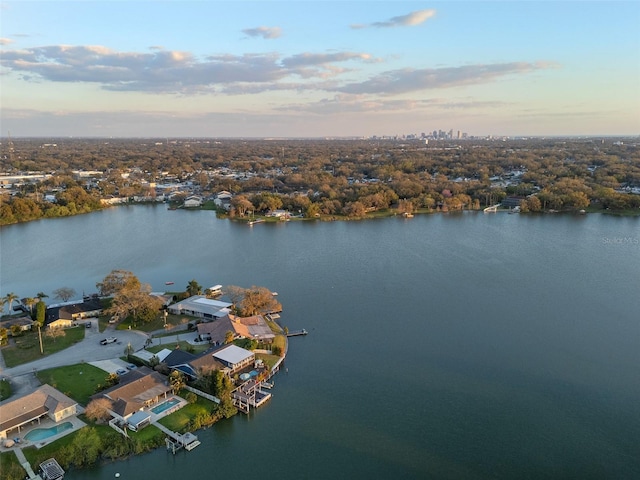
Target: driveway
x,y
87,350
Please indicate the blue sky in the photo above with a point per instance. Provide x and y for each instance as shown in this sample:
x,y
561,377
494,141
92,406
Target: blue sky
x,y
318,68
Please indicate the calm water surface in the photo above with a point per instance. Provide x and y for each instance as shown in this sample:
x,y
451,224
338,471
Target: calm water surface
x,y
444,346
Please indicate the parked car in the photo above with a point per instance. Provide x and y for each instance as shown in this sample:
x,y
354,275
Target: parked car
x,y
88,324
131,366
121,371
106,341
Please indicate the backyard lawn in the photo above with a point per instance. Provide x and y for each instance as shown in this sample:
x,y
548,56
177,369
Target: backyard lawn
x,y
269,360
27,346
77,381
178,421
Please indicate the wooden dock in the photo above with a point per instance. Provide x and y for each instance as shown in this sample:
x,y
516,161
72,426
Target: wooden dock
x,y
175,441
297,333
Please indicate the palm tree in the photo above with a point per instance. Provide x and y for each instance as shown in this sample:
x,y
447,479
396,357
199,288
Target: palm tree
x,y
42,295
30,302
10,298
194,288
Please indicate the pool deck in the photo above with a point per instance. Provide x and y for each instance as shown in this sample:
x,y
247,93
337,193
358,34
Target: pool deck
x,y
45,423
157,416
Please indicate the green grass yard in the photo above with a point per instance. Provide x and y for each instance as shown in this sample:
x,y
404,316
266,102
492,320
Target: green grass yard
x,y
178,421
76,381
27,346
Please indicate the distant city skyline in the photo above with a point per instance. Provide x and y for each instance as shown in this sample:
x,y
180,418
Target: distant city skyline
x,y
319,68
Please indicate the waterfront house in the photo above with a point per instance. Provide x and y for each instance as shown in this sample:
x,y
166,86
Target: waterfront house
x,y
191,365
193,201
46,401
234,358
254,327
65,315
223,200
200,306
138,389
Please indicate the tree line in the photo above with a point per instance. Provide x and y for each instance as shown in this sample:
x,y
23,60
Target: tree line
x,y
330,177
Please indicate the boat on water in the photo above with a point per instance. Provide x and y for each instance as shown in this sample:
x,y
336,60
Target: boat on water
x,y
168,283
253,222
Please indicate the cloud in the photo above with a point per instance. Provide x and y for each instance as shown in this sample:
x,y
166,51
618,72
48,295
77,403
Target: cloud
x,y
267,33
5,41
409,20
411,80
157,71
346,103
171,71
179,72
322,65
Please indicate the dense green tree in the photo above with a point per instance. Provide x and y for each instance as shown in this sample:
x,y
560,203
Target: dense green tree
x,y
194,288
16,330
177,381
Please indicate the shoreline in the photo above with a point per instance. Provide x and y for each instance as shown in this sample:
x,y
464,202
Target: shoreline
x,y
337,218
138,446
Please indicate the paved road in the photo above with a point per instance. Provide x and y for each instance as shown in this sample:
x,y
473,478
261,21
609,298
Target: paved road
x,y
87,350
24,381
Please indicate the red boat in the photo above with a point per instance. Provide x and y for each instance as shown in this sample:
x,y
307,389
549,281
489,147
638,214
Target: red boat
x,y
168,283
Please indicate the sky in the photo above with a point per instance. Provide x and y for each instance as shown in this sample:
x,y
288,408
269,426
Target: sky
x,y
327,68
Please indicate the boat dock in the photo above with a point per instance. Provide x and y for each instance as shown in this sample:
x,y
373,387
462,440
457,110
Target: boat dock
x,y
175,441
297,333
250,395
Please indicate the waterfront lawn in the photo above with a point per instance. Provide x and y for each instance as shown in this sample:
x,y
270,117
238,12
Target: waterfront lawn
x,y
77,381
148,435
27,346
180,420
10,467
280,341
269,360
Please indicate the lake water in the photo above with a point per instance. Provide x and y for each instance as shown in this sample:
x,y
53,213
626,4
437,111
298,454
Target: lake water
x,y
476,346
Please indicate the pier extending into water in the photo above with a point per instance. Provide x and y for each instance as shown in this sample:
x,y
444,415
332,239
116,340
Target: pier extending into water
x,y
492,208
297,333
175,441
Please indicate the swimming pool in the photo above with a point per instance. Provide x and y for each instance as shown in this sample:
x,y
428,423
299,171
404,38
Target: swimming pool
x,y
165,405
41,433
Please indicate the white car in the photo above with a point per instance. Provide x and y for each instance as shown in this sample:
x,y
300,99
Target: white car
x,y
106,341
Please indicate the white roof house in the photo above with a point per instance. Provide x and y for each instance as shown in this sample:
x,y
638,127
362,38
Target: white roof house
x,y
193,201
234,357
200,306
